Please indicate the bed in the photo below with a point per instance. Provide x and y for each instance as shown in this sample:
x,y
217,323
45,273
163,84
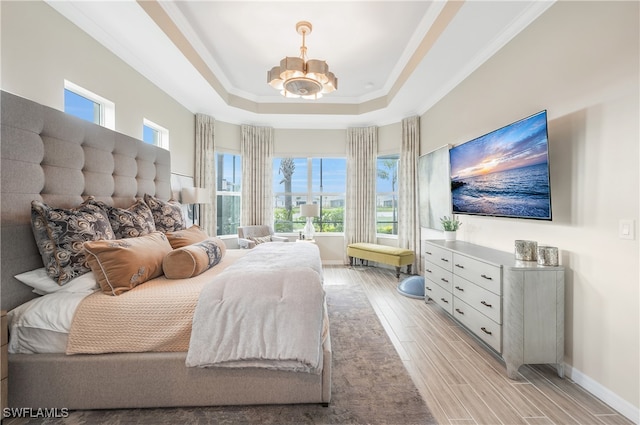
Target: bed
x,y
60,160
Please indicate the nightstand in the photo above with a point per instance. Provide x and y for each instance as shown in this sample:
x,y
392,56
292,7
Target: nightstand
x,y
306,240
4,364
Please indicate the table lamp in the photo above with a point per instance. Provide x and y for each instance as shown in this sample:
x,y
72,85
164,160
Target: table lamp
x,y
193,196
309,211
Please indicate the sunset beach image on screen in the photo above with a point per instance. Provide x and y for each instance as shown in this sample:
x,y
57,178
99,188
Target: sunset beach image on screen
x,y
504,173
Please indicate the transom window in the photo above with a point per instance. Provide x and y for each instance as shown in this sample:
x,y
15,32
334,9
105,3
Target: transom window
x,y
387,195
88,106
155,134
299,181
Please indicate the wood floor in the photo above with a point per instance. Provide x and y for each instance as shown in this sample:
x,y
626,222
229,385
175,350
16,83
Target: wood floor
x,y
460,380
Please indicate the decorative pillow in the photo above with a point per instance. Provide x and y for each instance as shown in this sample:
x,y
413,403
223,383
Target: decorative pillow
x,y
42,284
123,264
193,259
60,233
260,239
182,238
131,222
166,215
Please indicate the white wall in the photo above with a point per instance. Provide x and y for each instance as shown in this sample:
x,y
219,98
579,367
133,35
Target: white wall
x,y
40,49
580,62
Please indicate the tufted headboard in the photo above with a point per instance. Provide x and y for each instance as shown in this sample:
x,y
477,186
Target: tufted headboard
x,y
60,160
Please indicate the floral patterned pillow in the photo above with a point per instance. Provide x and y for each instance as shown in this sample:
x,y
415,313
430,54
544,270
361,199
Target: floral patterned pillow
x,y
60,234
131,222
166,215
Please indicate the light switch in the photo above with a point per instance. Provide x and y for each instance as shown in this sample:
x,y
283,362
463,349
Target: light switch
x,y
626,229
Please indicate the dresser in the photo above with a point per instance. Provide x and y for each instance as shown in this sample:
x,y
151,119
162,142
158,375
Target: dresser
x,y
4,355
515,307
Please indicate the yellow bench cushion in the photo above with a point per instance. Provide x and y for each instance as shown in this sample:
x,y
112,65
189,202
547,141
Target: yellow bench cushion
x,y
381,253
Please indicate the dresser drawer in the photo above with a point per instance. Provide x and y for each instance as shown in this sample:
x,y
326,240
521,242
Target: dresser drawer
x,y
483,274
443,298
486,329
439,256
438,275
479,298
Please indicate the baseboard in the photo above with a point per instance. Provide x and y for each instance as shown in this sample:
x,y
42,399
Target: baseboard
x,y
613,400
333,262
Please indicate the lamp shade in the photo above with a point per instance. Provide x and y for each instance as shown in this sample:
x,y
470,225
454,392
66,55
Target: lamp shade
x,y
309,210
194,195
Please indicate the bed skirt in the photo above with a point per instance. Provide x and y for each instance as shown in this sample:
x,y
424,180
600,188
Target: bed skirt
x,y
137,380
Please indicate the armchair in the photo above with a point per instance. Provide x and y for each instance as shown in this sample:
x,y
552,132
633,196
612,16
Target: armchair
x,y
250,236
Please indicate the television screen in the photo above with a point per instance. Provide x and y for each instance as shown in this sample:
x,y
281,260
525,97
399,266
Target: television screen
x,y
504,173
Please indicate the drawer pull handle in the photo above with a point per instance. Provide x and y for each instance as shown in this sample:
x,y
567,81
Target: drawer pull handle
x,y
485,303
485,331
445,260
460,289
428,253
444,300
444,280
486,277
427,288
460,266
428,271
459,311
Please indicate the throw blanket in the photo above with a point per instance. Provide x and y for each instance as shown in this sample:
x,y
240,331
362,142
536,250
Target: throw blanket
x,y
282,256
155,316
266,311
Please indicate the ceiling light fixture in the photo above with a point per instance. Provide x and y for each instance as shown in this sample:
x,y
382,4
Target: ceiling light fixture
x,y
299,77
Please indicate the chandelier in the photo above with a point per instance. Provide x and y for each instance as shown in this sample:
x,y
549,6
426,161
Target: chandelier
x,y
299,77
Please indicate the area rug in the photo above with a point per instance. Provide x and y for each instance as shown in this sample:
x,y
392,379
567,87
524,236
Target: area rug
x,y
370,384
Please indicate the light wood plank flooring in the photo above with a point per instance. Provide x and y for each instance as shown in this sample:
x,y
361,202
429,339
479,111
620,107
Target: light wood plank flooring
x,y
460,380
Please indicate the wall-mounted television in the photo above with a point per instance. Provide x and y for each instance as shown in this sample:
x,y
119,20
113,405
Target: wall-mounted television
x,y
504,173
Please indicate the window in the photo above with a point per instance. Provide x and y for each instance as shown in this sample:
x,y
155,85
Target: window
x,y
309,180
387,195
89,106
154,134
228,187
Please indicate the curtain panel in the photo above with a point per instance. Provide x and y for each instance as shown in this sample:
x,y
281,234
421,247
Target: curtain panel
x,y
257,176
408,202
360,212
205,171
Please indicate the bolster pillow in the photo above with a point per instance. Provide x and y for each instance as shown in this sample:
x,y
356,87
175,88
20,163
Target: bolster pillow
x,y
194,259
122,264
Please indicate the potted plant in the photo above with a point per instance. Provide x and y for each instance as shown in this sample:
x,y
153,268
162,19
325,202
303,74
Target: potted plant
x,y
450,225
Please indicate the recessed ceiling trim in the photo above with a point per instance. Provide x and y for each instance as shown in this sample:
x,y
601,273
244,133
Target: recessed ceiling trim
x,y
166,24
445,17
160,16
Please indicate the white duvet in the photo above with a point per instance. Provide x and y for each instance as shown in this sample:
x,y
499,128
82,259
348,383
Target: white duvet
x,y
266,310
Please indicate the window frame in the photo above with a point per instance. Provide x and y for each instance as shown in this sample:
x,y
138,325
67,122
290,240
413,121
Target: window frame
x,y
107,115
163,133
224,193
394,194
309,196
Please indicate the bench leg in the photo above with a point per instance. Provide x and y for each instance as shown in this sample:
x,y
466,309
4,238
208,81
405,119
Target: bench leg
x,y
398,273
408,268
350,261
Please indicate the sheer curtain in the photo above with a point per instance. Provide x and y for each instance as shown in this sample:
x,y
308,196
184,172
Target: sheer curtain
x,y
205,171
408,203
360,213
257,175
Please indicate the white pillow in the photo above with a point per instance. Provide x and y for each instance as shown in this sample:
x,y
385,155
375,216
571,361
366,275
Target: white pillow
x,y
42,284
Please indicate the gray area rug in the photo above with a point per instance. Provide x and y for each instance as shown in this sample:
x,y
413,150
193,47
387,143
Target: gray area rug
x,y
370,383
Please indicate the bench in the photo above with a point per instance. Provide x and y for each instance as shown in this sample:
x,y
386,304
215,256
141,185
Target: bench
x,y
397,257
